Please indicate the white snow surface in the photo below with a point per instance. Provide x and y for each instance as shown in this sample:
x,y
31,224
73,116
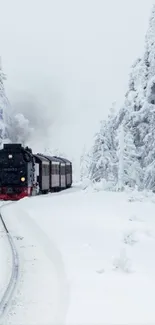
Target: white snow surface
x,y
5,261
86,257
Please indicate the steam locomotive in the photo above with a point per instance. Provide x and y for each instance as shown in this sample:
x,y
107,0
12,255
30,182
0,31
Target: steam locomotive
x,y
23,173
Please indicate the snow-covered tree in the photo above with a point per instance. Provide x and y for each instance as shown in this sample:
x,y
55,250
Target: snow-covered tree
x,y
103,153
149,58
135,164
84,164
120,154
129,170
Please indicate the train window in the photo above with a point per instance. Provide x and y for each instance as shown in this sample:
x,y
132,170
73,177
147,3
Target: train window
x,y
63,170
45,169
55,169
42,169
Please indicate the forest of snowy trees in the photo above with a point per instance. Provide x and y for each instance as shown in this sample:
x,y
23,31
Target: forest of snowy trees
x,y
123,153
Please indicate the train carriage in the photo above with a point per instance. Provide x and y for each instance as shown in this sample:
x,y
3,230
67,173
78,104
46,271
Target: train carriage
x,y
55,175
62,174
68,171
44,169
55,182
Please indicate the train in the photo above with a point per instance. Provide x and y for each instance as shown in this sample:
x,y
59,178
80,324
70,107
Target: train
x,y
24,174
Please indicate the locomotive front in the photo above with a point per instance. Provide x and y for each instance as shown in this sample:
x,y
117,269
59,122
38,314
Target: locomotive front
x,y
16,172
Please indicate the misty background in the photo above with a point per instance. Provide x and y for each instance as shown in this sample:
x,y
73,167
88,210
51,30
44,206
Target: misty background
x,y
66,62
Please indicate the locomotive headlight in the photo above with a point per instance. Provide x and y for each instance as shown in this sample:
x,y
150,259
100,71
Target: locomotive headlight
x,y
22,179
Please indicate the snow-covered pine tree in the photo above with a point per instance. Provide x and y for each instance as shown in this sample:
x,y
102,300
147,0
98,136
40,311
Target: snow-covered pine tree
x,y
103,153
95,171
120,154
84,164
149,57
142,71
144,122
133,174
138,112
129,170
138,118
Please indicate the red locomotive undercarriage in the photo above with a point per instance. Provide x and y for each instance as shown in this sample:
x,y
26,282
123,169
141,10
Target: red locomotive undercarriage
x,y
15,193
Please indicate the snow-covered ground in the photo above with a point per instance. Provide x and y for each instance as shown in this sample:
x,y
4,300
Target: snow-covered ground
x,y
86,257
5,263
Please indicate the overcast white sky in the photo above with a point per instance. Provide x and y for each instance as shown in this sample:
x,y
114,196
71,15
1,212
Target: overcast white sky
x,y
71,58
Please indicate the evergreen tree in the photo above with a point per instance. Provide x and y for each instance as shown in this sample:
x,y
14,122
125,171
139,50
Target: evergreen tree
x,y
103,154
131,161
84,165
129,170
120,154
132,169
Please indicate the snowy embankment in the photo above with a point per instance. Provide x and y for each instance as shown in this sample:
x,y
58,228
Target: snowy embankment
x,y
6,264
87,258
42,285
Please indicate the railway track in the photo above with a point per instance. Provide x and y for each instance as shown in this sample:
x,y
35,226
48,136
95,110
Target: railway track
x,y
8,294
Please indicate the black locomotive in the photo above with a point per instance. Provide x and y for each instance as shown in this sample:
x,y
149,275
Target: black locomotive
x,y
23,173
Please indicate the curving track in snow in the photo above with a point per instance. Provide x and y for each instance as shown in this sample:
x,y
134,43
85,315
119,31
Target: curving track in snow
x,y
8,294
42,293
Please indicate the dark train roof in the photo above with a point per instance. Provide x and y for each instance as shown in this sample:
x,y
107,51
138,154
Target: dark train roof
x,y
41,158
17,147
52,158
59,159
64,160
